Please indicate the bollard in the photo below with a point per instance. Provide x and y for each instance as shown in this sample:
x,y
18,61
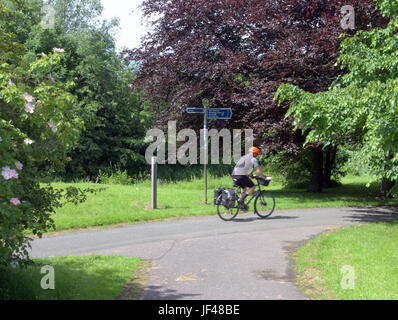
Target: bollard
x,y
154,176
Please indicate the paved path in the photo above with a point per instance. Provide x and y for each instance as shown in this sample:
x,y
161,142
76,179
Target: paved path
x,y
204,258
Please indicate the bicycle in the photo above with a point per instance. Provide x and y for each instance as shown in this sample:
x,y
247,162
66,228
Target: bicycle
x,y
264,201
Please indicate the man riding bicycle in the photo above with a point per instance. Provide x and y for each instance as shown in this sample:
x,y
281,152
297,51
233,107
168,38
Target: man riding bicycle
x,y
243,169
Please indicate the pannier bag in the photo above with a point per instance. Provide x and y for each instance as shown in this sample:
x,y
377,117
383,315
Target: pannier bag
x,y
228,198
217,195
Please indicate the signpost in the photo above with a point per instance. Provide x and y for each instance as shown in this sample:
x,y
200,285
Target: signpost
x,y
154,183
205,151
212,113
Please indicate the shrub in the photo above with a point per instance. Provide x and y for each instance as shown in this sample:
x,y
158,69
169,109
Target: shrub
x,y
37,126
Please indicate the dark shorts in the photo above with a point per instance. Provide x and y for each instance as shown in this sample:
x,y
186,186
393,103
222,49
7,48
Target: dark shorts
x,y
244,181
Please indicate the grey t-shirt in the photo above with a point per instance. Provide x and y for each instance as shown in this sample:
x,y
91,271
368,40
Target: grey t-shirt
x,y
245,165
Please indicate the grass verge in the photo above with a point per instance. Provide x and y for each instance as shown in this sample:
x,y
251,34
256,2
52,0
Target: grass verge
x,y
120,204
75,278
354,263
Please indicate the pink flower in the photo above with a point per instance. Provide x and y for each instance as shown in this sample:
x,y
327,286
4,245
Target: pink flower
x,y
59,50
51,125
15,201
28,97
8,173
18,165
29,108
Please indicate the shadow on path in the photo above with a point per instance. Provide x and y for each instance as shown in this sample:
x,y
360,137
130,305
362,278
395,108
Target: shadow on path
x,y
158,293
387,214
249,219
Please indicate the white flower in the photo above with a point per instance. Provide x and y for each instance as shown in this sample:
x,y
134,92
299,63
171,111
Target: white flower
x,y
28,141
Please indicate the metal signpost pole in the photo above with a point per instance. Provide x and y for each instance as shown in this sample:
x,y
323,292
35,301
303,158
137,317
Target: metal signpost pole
x,y
205,151
154,182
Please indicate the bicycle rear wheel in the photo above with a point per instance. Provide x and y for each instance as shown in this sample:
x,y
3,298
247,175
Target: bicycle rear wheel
x,y
227,214
264,204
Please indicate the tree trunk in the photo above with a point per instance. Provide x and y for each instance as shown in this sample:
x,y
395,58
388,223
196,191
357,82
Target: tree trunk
x,y
329,163
386,184
316,170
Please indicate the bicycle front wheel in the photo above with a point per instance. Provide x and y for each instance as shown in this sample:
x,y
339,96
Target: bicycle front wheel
x,y
227,214
264,204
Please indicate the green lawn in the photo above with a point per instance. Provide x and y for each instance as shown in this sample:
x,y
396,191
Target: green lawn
x,y
75,278
355,263
131,204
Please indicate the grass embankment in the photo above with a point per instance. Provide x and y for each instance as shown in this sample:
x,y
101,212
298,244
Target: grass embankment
x,y
75,278
131,204
354,263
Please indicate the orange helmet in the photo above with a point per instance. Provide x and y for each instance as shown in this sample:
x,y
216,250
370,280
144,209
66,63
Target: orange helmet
x,y
254,150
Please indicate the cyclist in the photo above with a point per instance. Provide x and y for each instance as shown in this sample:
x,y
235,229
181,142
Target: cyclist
x,y
243,169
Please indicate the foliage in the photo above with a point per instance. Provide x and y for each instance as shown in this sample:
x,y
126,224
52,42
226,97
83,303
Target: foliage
x,y
38,125
235,54
295,173
115,120
77,15
361,106
116,177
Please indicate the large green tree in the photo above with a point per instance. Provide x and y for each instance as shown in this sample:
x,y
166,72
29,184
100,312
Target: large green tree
x,y
361,106
113,115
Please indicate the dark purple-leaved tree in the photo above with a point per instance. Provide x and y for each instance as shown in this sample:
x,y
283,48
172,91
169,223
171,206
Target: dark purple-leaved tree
x,y
236,53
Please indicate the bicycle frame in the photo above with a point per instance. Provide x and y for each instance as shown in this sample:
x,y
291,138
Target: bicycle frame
x,y
254,193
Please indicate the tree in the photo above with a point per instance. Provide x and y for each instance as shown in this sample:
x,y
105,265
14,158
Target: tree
x,y
77,15
362,103
236,54
114,117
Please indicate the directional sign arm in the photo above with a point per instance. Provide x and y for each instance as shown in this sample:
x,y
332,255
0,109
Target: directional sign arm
x,y
220,113
195,110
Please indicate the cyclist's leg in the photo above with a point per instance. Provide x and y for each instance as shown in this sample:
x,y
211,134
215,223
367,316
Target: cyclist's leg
x,y
248,187
243,195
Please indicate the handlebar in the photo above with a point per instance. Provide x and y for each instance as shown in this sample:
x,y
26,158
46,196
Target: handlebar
x,y
266,178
